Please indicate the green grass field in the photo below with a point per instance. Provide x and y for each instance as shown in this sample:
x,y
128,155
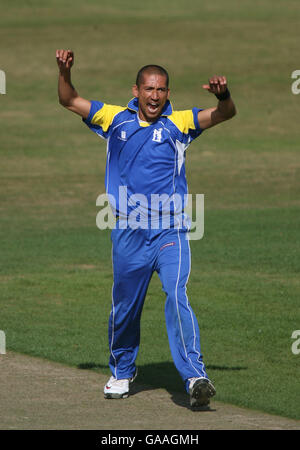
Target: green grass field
x,y
56,271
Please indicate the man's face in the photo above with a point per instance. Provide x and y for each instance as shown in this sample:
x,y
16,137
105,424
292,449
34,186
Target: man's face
x,y
152,94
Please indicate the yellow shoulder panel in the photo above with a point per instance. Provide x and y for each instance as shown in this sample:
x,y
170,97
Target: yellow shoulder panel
x,y
105,115
184,120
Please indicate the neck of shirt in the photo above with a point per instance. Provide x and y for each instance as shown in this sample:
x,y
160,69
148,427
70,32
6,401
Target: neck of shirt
x,y
142,122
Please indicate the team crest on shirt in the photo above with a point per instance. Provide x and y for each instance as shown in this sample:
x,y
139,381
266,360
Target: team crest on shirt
x,y
157,135
123,136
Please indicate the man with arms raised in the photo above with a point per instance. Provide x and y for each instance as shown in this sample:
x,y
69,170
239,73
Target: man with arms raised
x,y
146,146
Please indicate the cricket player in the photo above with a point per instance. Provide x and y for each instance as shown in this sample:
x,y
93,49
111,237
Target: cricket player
x,y
146,147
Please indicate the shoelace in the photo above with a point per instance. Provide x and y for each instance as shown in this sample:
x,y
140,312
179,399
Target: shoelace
x,y
192,381
117,383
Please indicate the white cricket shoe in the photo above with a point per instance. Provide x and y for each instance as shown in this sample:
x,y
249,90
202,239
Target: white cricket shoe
x,y
201,390
115,388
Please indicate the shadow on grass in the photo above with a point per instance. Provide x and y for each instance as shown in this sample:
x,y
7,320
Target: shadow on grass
x,y
162,375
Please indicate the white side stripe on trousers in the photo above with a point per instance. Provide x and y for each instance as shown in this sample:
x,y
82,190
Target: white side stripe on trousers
x,y
177,307
113,318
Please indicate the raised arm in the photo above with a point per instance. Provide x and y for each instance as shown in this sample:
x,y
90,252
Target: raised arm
x,y
68,96
225,109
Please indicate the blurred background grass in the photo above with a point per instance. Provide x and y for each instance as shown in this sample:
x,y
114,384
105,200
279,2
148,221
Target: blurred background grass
x,y
56,272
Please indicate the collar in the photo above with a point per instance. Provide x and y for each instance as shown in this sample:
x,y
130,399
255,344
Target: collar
x,y
133,105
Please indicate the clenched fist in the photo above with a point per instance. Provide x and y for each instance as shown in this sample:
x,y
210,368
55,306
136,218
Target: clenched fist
x,y
217,85
64,59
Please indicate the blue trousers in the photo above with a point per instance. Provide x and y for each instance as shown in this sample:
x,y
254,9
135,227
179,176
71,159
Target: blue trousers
x,y
136,254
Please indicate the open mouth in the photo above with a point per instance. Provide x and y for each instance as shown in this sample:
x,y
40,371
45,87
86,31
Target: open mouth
x,y
153,107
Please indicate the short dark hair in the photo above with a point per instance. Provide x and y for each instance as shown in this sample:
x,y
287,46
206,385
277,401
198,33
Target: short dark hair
x,y
151,68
